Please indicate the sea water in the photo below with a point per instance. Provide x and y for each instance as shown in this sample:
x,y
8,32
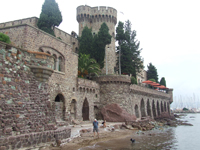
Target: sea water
x,y
172,138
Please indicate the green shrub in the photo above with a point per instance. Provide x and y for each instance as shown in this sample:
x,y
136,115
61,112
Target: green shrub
x,y
185,109
133,80
48,30
4,38
59,38
152,80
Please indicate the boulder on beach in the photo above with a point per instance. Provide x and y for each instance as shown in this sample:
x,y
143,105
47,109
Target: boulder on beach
x,y
114,113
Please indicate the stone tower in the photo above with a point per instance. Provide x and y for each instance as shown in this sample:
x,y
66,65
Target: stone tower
x,y
93,17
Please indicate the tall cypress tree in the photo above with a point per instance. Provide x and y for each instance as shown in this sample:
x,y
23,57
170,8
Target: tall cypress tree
x,y
95,45
100,41
152,72
49,17
162,81
86,42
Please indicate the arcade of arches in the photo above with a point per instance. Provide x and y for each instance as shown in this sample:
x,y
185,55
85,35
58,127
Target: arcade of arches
x,y
151,108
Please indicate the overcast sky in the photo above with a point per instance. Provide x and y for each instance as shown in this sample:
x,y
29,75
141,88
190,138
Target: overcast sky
x,y
168,31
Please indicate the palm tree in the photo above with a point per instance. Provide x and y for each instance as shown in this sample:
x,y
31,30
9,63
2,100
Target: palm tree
x,y
87,66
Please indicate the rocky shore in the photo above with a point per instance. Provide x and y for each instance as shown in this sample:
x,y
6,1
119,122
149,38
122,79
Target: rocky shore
x,y
118,131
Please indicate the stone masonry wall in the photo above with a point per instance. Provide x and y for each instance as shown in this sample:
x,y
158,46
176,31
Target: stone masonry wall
x,y
67,38
61,82
132,98
26,116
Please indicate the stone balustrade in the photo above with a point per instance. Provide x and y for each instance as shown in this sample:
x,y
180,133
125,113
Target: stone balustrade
x,y
147,91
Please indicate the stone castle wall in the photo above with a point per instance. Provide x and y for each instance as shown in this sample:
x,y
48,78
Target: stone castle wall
x,y
137,100
65,37
26,115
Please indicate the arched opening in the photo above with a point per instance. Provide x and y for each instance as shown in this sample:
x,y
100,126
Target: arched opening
x,y
162,106
73,109
165,109
148,108
158,108
97,113
59,107
154,109
142,108
136,111
85,110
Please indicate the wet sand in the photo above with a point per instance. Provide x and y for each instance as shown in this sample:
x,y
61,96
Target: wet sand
x,y
120,139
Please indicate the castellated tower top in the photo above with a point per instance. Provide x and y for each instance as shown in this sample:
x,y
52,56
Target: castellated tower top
x,y
95,15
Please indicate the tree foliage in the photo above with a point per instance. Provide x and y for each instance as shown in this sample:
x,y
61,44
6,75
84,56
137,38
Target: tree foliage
x,y
87,66
152,72
95,45
162,81
4,38
133,80
131,62
86,41
49,17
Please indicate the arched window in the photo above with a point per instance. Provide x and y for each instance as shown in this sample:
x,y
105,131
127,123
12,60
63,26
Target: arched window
x,y
60,63
55,60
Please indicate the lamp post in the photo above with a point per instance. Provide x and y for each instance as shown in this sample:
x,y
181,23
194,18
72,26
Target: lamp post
x,y
120,57
106,62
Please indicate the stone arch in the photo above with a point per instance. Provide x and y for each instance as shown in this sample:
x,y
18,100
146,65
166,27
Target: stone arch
x,y
142,108
73,108
162,107
165,109
154,109
148,108
136,111
59,107
158,109
85,110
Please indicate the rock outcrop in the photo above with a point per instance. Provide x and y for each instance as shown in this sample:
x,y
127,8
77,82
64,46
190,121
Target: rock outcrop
x,y
114,113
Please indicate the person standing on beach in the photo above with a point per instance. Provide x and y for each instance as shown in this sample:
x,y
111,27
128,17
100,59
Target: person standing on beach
x,y
95,127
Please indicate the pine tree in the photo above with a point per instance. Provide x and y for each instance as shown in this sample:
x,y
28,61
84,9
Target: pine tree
x,y
152,72
49,17
130,52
